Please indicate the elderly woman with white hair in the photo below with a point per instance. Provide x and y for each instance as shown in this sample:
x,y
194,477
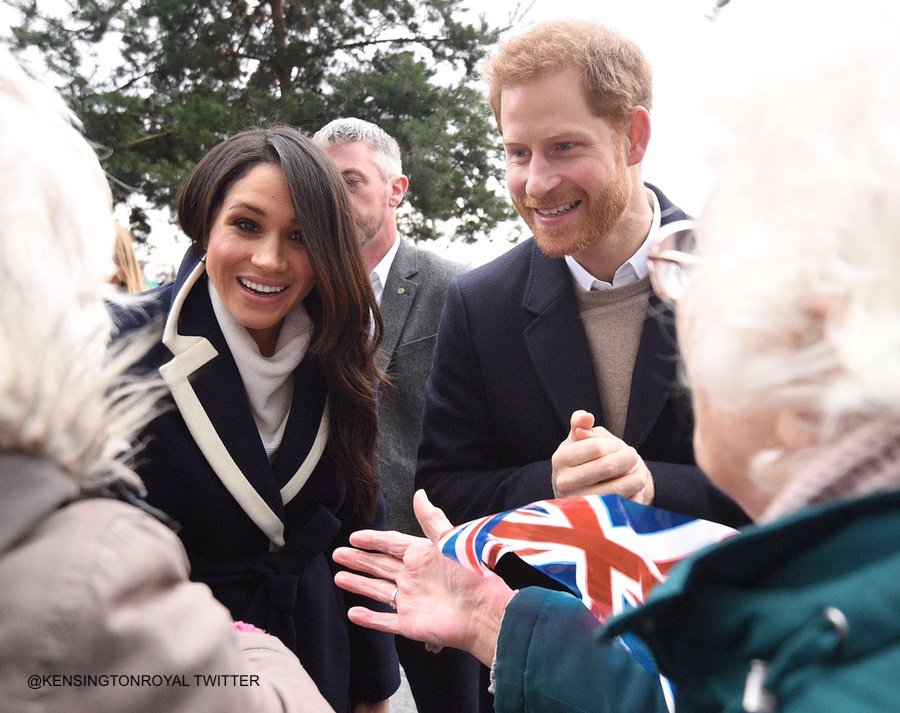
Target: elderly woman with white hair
x,y
788,316
98,612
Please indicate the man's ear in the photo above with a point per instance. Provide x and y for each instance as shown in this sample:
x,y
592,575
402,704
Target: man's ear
x,y
399,184
637,132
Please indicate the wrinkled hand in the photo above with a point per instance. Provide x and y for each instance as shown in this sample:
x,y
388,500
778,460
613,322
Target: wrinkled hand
x,y
437,601
592,461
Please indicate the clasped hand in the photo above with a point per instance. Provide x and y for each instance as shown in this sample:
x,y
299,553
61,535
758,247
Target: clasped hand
x,y
592,461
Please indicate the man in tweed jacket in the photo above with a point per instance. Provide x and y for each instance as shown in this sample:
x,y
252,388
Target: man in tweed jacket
x,y
410,285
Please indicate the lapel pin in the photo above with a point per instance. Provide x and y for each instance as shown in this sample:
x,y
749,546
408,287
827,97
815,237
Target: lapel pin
x,y
401,290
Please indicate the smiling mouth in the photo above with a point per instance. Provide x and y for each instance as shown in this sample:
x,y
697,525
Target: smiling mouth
x,y
558,210
258,289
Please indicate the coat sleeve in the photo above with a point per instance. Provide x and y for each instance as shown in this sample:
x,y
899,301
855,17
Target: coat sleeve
x,y
551,660
128,609
374,666
461,461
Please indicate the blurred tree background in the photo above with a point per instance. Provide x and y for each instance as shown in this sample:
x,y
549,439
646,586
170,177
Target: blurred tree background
x,y
159,82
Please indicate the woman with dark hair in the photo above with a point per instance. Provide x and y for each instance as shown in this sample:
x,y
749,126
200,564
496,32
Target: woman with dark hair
x,y
266,458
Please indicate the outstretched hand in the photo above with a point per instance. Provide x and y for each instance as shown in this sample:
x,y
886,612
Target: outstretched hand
x,y
436,600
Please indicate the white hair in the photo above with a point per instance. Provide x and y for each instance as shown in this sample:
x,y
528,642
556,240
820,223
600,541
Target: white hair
x,y
350,130
797,307
62,395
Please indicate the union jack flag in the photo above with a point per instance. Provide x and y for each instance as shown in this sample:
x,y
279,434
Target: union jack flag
x,y
607,551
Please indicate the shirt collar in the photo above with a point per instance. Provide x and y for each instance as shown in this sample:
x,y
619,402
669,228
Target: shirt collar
x,y
378,276
634,269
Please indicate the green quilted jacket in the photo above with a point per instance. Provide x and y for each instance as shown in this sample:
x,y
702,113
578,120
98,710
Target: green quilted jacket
x,y
798,616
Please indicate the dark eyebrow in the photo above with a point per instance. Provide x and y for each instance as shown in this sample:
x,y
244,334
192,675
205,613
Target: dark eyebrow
x,y
240,205
247,206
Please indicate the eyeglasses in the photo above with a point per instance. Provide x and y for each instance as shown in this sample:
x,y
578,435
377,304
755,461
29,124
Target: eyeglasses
x,y
671,260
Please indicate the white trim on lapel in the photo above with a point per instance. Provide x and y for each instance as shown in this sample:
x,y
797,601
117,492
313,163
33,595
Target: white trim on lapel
x,y
189,354
298,480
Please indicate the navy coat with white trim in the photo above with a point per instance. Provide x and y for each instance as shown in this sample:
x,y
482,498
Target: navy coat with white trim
x,y
259,534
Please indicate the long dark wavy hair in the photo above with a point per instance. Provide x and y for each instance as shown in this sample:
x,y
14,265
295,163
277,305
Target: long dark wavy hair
x,y
341,305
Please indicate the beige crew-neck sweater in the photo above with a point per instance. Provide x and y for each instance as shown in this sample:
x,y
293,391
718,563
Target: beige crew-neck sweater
x,y
613,320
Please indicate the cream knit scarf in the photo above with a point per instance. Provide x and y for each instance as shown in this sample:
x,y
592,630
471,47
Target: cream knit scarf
x,y
268,381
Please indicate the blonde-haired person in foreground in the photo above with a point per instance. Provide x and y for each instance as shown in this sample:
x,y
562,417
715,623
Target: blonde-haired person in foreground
x,y
98,613
789,322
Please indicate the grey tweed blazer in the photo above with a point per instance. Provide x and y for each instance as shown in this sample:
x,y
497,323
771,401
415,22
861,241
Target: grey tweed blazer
x,y
411,307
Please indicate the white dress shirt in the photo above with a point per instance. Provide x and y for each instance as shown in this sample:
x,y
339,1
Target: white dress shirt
x,y
378,276
634,269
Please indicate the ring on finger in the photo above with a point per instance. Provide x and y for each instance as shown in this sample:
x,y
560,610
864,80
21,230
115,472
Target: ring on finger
x,y
392,602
